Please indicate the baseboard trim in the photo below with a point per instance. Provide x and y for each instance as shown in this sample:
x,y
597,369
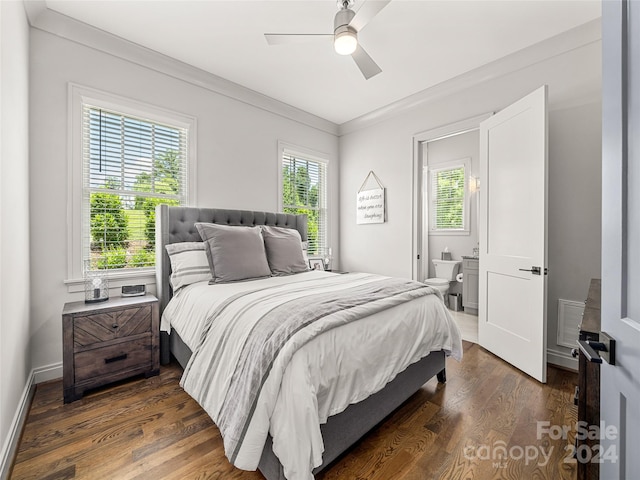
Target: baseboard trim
x,y
37,375
562,359
11,442
46,373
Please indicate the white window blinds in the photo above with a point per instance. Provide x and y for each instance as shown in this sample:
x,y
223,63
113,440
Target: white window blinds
x,y
448,199
130,165
304,190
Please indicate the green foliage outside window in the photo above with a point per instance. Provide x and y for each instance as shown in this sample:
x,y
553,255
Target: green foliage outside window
x,y
112,257
108,221
301,196
164,180
123,233
449,199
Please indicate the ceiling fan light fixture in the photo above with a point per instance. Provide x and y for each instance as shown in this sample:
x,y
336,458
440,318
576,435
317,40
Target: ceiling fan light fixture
x,y
345,42
346,25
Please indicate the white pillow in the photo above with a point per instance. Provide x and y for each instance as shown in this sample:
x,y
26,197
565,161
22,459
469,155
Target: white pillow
x,y
189,264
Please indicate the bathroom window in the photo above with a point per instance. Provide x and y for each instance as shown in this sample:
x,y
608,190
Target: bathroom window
x,y
448,198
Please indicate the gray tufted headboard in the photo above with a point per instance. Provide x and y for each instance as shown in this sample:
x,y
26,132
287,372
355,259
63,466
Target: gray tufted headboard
x,y
177,224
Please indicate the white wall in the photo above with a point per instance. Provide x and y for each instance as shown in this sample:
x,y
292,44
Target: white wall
x,y
14,214
575,206
574,80
237,157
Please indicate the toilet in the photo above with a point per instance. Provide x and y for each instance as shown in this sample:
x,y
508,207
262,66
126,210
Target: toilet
x,y
446,271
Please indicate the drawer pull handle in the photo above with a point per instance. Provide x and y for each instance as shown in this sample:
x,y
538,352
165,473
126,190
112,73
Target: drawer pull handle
x,y
116,359
115,325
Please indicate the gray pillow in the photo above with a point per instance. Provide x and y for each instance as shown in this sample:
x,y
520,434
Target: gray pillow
x,y
234,253
284,250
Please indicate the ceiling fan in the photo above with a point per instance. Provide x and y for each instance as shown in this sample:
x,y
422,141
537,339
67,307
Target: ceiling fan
x,y
346,26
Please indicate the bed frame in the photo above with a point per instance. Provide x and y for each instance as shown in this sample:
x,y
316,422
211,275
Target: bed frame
x,y
176,224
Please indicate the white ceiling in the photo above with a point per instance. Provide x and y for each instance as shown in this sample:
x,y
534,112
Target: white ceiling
x,y
418,43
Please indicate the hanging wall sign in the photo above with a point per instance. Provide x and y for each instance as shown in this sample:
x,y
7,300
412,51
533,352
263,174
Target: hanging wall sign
x,y
370,203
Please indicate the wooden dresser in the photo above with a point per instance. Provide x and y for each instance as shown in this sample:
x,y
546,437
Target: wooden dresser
x,y
110,341
588,393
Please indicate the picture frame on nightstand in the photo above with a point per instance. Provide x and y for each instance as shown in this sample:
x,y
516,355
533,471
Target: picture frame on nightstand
x,y
316,264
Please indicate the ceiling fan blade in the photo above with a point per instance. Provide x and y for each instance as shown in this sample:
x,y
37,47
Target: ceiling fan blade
x,y
367,11
285,38
365,63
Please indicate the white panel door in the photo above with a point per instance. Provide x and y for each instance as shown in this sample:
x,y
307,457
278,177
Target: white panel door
x,y
620,310
513,234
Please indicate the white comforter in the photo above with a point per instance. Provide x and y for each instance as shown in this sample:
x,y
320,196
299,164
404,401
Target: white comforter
x,y
338,367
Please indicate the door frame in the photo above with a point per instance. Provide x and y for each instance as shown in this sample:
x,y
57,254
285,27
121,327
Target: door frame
x,y
420,234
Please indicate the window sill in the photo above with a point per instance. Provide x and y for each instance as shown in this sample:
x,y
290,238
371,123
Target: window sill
x,y
449,232
117,280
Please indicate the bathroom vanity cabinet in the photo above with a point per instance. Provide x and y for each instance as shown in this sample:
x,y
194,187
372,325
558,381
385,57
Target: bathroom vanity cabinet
x,y
470,281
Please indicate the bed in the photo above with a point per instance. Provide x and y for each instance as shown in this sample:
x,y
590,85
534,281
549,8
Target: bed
x,y
344,426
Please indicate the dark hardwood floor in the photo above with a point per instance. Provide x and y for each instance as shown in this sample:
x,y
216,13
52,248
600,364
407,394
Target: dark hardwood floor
x,y
151,429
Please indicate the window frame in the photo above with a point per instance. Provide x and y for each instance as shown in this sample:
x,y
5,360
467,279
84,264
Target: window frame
x,y
285,148
431,170
78,97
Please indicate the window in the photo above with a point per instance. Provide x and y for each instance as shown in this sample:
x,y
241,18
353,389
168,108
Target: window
x,y
130,164
304,190
448,200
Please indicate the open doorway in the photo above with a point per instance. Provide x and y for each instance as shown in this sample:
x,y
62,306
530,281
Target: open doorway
x,y
446,162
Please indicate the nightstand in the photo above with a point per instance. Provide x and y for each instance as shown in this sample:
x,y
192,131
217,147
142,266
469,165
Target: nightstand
x,y
110,341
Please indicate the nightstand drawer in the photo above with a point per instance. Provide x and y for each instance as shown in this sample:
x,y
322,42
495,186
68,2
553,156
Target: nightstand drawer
x,y
113,358
102,327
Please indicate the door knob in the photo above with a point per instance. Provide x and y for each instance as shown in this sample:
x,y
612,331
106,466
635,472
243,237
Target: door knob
x,y
597,351
589,351
534,270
